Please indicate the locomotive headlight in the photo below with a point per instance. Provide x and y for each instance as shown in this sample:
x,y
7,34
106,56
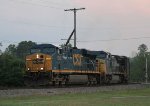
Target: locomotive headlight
x,y
41,68
37,56
28,69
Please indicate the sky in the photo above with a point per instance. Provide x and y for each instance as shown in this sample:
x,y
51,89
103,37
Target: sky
x,y
116,26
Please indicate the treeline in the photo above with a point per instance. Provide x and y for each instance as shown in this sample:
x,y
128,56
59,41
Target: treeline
x,y
12,63
138,64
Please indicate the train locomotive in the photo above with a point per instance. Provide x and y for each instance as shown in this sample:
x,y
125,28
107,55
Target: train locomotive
x,y
48,64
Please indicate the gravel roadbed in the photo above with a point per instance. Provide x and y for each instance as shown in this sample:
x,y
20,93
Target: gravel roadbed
x,y
55,91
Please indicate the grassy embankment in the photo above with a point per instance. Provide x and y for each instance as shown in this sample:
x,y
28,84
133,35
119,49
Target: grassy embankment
x,y
109,98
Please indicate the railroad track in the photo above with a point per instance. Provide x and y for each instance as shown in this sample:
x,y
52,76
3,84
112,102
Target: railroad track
x,y
74,86
50,90
67,86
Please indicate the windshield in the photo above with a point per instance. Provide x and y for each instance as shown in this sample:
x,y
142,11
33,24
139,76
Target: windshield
x,y
35,51
48,50
102,55
43,50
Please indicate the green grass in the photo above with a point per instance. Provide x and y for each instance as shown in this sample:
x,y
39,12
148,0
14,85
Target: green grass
x,y
107,98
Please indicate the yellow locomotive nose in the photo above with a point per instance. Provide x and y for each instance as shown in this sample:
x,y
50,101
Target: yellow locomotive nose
x,y
38,63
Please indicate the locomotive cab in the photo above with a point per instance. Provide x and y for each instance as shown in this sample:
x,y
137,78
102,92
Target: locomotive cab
x,y
40,58
38,62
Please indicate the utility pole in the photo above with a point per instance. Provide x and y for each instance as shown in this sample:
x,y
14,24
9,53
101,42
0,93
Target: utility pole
x,y
146,68
75,10
146,74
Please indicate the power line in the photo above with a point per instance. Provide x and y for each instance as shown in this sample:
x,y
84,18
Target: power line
x,y
16,42
51,26
92,41
106,40
47,1
84,41
34,24
35,4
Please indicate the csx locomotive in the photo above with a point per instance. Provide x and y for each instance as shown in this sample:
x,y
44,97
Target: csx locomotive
x,y
48,63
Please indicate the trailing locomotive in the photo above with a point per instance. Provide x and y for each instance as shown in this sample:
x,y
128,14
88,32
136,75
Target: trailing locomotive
x,y
50,64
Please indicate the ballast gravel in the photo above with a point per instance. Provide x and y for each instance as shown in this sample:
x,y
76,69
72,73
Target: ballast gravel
x,y
56,91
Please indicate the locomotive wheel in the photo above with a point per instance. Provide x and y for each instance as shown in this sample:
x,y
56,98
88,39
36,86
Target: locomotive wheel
x,y
98,79
92,80
121,78
60,79
36,79
60,83
53,83
67,79
30,82
108,79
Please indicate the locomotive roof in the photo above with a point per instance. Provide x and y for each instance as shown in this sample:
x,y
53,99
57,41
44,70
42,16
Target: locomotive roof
x,y
120,56
44,46
104,52
89,52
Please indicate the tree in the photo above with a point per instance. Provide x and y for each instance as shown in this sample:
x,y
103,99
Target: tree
x,y
23,48
12,64
137,68
0,49
138,64
142,49
11,50
11,70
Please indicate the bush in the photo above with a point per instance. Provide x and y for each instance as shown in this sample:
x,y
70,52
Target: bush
x,y
11,71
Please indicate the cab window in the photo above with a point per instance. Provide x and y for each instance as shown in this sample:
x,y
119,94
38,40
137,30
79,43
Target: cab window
x,y
48,50
102,55
35,51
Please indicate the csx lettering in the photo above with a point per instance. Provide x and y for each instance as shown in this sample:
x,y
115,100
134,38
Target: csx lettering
x,y
77,59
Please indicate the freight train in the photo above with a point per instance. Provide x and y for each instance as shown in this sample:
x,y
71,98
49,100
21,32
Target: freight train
x,y
49,64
